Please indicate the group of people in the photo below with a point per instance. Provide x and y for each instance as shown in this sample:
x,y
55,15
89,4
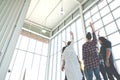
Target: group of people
x,y
95,61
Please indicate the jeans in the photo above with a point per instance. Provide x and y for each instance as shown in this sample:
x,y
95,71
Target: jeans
x,y
89,73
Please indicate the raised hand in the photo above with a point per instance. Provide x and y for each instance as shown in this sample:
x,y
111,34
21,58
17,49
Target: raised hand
x,y
91,25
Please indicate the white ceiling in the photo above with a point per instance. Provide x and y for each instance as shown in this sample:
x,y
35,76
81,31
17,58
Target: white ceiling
x,y
47,13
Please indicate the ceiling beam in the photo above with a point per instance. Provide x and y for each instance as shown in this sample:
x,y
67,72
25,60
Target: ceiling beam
x,y
34,23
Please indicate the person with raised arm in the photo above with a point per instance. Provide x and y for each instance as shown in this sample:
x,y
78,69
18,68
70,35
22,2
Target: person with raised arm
x,y
90,57
70,61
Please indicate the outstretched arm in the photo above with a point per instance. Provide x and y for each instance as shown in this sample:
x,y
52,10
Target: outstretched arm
x,y
94,35
98,33
63,64
91,25
72,36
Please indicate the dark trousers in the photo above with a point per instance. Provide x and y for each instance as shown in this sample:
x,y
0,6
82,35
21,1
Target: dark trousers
x,y
83,78
111,71
103,71
65,77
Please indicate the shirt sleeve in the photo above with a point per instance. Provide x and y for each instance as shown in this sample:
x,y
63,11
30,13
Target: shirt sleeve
x,y
108,45
83,53
94,38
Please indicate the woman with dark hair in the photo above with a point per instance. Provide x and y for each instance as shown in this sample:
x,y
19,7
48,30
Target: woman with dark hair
x,y
70,62
106,52
64,62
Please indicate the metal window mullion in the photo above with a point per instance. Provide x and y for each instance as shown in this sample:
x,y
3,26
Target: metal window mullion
x,y
83,22
48,61
56,57
40,61
60,59
102,20
77,38
52,61
113,16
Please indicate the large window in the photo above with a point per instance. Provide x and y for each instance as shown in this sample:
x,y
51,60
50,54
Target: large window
x,y
107,21
29,59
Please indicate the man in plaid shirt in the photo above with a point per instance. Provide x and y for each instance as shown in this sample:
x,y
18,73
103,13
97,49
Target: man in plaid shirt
x,y
90,57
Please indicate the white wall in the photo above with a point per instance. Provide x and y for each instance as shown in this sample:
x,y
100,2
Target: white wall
x,y
12,13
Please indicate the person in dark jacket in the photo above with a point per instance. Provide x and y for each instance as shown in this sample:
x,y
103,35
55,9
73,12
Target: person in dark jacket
x,y
106,52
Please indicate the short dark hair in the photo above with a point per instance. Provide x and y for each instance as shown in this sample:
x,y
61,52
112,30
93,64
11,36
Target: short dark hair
x,y
88,36
102,39
68,43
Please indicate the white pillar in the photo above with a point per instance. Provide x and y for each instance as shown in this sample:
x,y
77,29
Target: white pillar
x,y
80,2
12,14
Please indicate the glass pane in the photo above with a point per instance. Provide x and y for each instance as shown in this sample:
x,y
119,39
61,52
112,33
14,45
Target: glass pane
x,y
68,34
87,22
79,29
102,32
28,65
98,25
114,38
63,37
50,68
38,47
87,15
116,52
94,10
118,23
111,28
55,59
107,19
42,69
18,42
102,3
73,29
59,42
116,13
109,1
118,65
51,60
114,4
59,58
24,43
32,45
96,17
45,49
80,44
75,48
104,11
35,67
89,29
16,73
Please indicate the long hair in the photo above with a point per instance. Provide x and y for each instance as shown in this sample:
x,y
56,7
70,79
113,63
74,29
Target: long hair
x,y
102,39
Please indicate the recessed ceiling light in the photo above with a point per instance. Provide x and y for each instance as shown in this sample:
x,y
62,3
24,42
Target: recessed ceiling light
x,y
44,31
